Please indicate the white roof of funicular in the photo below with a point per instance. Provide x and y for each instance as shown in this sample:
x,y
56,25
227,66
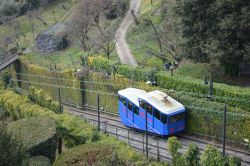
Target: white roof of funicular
x,y
161,101
132,94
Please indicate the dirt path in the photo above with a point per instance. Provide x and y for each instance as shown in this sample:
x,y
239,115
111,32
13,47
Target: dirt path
x,y
122,47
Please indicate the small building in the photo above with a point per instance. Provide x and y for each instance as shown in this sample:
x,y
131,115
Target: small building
x,y
54,39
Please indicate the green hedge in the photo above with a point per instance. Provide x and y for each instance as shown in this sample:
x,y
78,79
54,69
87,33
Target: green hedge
x,y
108,66
231,95
37,134
39,161
136,73
65,78
100,63
20,107
43,99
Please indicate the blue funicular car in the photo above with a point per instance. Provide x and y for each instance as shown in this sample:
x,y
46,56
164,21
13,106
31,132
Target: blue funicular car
x,y
165,116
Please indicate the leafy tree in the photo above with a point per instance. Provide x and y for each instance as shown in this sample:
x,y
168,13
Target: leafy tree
x,y
212,157
11,151
192,155
232,39
215,29
174,145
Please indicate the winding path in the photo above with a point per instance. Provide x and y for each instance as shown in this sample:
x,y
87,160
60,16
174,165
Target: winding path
x,y
122,47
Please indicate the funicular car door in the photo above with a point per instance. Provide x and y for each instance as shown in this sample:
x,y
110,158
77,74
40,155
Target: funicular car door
x,y
130,113
149,110
147,107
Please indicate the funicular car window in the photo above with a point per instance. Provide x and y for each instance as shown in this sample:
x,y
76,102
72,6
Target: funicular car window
x,y
164,119
149,108
136,110
142,104
123,100
157,114
130,106
177,117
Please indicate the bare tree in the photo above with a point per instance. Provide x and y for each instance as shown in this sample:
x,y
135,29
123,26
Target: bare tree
x,y
106,39
166,41
87,15
14,32
86,22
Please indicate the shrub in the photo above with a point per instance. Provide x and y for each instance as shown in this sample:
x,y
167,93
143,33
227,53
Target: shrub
x,y
192,155
89,154
37,134
11,151
100,63
174,146
124,152
136,73
212,157
43,99
39,161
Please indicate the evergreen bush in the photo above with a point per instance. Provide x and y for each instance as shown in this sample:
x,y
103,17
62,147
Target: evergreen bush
x,y
37,134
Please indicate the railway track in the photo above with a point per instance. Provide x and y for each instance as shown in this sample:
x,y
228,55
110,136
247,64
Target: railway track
x,y
110,123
